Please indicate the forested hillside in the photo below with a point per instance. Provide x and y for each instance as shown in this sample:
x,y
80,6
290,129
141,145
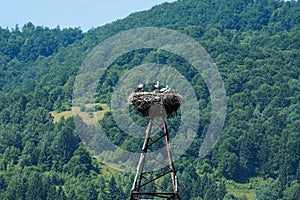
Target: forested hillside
x,y
256,46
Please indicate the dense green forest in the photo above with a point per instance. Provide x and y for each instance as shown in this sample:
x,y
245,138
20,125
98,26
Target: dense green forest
x,y
256,46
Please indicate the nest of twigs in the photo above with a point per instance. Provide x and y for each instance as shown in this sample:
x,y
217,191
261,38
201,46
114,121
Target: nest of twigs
x,y
148,102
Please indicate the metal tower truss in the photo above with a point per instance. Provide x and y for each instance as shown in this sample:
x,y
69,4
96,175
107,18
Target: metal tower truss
x,y
155,176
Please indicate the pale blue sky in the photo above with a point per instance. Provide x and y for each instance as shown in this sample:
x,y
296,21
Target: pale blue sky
x,y
69,13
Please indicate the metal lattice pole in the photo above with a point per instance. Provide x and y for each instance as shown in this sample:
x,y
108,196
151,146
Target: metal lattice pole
x,y
142,181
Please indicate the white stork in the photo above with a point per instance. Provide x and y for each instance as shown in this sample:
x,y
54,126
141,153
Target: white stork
x,y
140,88
155,86
165,89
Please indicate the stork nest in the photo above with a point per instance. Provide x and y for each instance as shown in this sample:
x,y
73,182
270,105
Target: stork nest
x,y
143,101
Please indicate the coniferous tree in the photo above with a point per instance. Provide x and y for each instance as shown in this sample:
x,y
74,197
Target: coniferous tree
x,y
114,192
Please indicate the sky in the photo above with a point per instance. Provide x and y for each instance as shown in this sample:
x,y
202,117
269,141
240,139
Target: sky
x,y
85,14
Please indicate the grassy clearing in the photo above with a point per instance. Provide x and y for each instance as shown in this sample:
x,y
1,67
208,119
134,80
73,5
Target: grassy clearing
x,y
87,117
246,190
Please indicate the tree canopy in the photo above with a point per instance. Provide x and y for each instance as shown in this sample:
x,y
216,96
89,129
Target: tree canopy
x,y
254,43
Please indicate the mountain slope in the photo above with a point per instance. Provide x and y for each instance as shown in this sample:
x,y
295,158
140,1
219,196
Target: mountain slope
x,y
255,45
